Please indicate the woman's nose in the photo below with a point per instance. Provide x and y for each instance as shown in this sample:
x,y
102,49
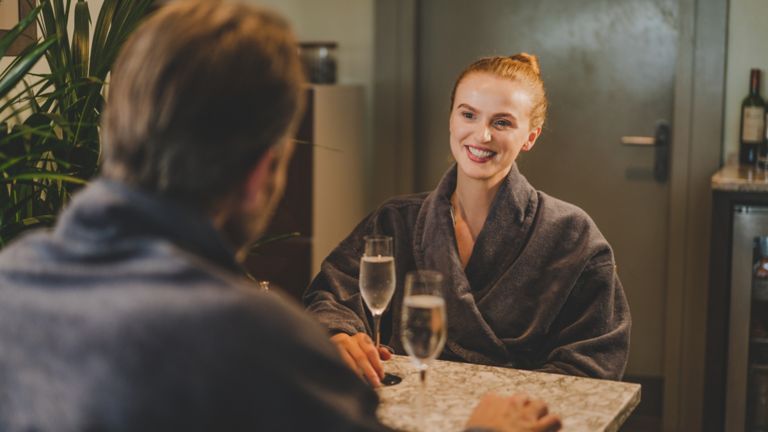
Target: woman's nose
x,y
484,133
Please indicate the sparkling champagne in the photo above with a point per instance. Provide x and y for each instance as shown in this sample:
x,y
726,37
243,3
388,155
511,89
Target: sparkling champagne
x,y
377,282
424,326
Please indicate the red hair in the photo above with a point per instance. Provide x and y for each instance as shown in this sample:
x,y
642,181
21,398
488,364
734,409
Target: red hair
x,y
521,67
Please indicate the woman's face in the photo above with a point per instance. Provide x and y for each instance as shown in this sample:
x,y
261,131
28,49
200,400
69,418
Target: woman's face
x,y
490,125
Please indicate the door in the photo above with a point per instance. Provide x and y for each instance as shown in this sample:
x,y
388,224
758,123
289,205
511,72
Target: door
x,y
608,67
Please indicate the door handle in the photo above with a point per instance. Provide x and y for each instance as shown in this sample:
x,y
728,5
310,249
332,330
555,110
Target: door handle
x,y
638,140
660,143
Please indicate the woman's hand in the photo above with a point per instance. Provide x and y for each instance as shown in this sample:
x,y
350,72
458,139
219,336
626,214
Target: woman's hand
x,y
361,355
516,413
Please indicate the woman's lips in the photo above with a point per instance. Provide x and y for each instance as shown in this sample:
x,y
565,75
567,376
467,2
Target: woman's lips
x,y
479,155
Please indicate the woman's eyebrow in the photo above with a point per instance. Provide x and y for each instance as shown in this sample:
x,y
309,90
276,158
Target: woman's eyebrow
x,y
469,107
505,115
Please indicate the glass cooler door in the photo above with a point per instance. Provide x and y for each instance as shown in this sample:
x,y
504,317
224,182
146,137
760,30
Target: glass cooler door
x,y
747,376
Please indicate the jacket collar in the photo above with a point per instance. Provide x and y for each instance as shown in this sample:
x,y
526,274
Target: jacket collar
x,y
108,212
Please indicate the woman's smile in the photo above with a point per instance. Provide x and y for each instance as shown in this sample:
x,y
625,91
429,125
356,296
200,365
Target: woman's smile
x,y
479,154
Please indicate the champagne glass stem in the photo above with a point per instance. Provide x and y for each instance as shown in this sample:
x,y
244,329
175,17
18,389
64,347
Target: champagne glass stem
x,y
422,398
377,330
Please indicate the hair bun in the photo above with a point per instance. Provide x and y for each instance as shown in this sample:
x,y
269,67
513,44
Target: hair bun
x,y
528,59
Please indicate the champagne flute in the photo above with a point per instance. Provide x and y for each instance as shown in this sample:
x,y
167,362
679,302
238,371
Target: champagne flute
x,y
377,284
424,321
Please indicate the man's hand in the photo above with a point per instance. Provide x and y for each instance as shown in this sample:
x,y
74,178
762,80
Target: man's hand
x,y
361,355
512,414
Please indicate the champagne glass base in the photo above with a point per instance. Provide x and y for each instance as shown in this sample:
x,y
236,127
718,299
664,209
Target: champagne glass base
x,y
391,379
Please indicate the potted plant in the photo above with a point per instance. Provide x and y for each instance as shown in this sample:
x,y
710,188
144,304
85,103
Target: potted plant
x,y
49,122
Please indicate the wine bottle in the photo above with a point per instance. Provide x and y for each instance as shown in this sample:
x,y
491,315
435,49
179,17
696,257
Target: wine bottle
x,y
752,129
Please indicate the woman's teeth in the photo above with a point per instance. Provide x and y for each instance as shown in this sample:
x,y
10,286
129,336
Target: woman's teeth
x,y
480,153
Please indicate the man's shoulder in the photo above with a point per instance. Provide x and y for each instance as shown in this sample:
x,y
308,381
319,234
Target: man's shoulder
x,y
152,284
169,306
230,316
196,343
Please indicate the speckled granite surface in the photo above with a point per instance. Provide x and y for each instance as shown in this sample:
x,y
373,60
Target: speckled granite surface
x,y
740,178
453,389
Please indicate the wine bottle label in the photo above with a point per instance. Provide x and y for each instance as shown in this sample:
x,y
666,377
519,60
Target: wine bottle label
x,y
766,123
754,124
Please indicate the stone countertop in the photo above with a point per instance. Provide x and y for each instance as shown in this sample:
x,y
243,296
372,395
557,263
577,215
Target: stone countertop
x,y
740,178
453,390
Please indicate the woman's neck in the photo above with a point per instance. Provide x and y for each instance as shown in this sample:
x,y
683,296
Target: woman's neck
x,y
472,201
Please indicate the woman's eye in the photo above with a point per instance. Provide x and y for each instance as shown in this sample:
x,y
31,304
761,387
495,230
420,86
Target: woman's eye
x,y
501,124
468,115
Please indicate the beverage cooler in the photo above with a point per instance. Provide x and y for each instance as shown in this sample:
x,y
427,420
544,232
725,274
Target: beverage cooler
x,y
746,386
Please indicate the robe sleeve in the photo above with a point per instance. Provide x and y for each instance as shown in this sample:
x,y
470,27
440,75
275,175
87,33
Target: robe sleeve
x,y
333,297
591,334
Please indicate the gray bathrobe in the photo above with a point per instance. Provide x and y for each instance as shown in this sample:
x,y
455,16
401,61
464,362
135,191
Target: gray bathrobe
x,y
540,290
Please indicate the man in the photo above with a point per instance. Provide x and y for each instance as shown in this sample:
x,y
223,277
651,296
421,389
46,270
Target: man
x,y
131,315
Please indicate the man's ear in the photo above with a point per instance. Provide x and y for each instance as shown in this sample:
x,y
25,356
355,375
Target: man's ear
x,y
257,182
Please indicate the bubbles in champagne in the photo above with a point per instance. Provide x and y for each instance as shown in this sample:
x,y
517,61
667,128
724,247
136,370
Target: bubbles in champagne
x,y
424,326
377,282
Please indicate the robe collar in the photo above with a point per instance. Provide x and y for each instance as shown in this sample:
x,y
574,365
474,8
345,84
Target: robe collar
x,y
499,243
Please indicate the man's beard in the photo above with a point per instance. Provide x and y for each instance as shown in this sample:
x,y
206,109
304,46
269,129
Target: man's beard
x,y
244,228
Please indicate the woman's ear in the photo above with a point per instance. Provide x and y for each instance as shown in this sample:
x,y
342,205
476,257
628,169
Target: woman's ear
x,y
533,135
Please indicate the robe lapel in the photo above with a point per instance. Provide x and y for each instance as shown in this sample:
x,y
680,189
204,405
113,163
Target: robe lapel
x,y
504,235
498,245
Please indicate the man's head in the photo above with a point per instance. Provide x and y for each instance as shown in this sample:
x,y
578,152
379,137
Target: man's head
x,y
202,103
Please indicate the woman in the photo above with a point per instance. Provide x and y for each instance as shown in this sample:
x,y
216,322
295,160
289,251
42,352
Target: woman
x,y
529,280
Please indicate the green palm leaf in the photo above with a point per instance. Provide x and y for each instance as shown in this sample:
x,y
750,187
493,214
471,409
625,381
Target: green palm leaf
x,y
100,32
43,176
21,66
80,39
53,147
